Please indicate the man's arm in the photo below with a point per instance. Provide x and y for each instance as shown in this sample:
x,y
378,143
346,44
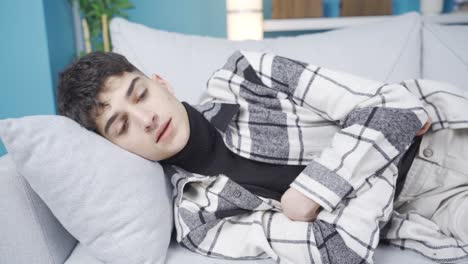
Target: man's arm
x,y
366,146
223,226
378,122
299,207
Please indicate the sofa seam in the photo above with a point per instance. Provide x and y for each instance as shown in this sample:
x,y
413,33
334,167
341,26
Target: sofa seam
x,y
400,54
446,45
421,51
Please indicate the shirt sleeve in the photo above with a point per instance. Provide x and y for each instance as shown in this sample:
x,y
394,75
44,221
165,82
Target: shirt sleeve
x,y
211,221
378,122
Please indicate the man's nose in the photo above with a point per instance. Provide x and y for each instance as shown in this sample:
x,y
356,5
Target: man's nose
x,y
147,119
150,123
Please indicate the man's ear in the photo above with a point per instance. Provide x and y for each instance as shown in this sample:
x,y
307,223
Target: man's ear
x,y
156,78
163,82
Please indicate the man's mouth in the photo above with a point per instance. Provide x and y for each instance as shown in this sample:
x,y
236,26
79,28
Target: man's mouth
x,y
165,129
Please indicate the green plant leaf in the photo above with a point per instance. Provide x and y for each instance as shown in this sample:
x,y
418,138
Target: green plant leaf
x,y
93,10
126,6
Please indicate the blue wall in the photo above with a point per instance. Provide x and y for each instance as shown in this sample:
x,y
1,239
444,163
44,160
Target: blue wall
x,y
60,36
25,73
197,17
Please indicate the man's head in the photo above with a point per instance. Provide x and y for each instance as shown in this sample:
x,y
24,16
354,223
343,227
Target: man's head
x,y
106,94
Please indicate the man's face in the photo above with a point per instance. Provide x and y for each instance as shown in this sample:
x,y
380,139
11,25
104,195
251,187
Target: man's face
x,y
143,116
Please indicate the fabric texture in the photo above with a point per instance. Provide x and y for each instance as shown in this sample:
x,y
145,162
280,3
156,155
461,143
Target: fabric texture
x,y
349,131
433,205
405,163
205,153
114,202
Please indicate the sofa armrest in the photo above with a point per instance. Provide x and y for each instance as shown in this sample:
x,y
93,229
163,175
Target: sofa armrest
x,y
29,231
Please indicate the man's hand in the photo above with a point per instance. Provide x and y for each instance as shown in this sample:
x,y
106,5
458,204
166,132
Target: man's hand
x,y
299,207
426,127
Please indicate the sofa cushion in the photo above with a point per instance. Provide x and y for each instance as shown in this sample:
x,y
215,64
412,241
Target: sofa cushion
x,y
385,51
178,254
445,54
116,203
29,231
81,255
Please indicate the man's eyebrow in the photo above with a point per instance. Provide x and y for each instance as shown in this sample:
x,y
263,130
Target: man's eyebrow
x,y
130,88
127,95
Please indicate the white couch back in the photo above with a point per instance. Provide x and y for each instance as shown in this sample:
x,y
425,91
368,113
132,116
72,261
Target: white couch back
x,y
386,51
445,53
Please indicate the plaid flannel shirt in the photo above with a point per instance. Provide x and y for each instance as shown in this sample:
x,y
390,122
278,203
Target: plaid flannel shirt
x,y
350,132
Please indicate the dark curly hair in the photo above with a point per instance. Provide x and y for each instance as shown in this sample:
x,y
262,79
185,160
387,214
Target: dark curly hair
x,y
83,80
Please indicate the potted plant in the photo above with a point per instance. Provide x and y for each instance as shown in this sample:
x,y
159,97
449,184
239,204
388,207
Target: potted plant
x,y
95,15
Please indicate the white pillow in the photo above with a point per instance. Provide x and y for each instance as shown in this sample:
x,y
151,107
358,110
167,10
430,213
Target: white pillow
x,y
114,202
445,54
386,51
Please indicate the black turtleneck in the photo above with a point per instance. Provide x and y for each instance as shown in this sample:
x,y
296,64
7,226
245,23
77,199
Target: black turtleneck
x,y
205,153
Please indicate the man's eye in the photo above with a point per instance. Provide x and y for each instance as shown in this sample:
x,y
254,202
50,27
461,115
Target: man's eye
x,y
142,96
124,128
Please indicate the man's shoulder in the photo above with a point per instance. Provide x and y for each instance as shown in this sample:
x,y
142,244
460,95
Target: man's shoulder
x,y
220,114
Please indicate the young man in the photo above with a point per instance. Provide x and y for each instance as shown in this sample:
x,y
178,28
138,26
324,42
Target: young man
x,y
288,160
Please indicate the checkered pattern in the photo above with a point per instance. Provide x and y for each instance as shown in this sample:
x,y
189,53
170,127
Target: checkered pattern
x,y
349,132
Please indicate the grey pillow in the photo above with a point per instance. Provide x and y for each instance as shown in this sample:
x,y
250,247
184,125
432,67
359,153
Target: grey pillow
x,y
117,204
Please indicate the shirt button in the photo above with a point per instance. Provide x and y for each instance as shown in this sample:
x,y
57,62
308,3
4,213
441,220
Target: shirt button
x,y
427,152
237,193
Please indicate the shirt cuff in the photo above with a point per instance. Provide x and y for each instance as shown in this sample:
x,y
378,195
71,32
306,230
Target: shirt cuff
x,y
322,185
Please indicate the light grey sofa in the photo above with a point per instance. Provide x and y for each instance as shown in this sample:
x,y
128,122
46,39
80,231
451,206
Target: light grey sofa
x,y
29,233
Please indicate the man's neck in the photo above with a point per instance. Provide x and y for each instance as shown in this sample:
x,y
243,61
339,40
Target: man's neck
x,y
198,151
